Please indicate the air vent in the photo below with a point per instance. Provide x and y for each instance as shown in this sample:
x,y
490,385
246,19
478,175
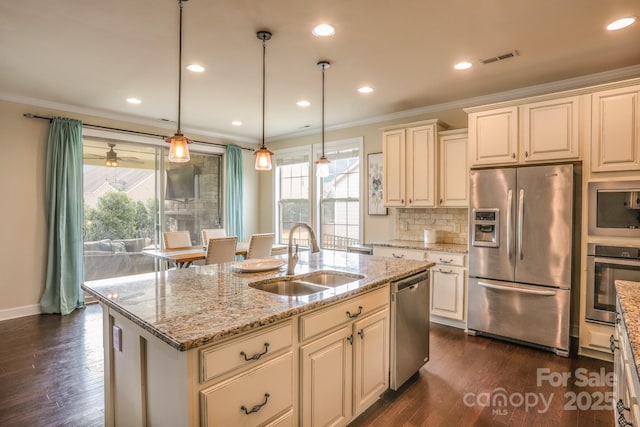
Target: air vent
x,y
500,57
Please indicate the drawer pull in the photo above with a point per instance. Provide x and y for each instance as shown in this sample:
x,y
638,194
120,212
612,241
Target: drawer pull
x,y
398,256
257,355
446,261
620,406
256,408
622,421
446,272
354,315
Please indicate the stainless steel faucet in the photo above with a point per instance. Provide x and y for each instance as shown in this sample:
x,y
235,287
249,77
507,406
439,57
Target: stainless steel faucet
x,y
293,258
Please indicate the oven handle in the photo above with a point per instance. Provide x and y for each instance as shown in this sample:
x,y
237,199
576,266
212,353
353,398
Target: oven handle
x,y
617,261
520,290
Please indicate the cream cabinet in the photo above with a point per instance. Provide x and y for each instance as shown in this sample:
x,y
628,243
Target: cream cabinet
x,y
626,386
448,288
410,164
528,131
615,135
454,172
550,130
493,137
344,370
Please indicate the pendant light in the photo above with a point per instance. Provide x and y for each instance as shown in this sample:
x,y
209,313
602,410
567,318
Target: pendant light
x,y
322,165
179,151
263,156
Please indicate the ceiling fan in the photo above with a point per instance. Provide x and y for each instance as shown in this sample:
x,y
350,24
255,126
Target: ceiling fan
x,y
112,158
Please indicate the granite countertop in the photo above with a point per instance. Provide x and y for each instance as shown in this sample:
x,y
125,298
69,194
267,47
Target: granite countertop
x,y
191,307
418,244
629,296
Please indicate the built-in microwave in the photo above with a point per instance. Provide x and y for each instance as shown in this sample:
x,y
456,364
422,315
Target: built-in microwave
x,y
614,208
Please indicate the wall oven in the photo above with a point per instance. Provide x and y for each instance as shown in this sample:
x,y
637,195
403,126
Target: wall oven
x,y
605,265
614,208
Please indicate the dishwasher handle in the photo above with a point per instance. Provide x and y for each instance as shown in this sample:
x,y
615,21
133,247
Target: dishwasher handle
x,y
411,281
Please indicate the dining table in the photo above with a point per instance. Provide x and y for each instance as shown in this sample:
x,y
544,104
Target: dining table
x,y
183,257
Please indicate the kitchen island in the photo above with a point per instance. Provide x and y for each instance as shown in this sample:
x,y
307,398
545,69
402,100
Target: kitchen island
x,y
202,346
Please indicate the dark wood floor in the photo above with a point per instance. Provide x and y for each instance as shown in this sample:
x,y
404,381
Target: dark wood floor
x,y
51,375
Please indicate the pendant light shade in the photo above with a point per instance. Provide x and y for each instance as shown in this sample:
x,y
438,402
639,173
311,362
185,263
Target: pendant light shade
x,y
263,156
179,150
322,165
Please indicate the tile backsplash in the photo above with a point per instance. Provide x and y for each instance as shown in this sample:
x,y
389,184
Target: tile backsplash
x,y
411,223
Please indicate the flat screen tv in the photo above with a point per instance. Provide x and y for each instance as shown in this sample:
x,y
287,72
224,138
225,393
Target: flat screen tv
x,y
182,183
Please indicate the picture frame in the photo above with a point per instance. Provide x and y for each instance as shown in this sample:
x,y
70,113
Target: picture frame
x,y
375,192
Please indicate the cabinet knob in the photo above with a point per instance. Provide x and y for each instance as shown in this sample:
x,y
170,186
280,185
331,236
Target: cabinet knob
x,y
513,155
402,201
440,201
361,333
526,154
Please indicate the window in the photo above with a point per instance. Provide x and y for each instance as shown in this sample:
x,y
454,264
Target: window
x,y
340,200
331,204
127,207
293,201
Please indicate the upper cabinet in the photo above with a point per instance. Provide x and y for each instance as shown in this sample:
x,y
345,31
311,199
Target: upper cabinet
x,y
615,124
493,137
410,164
550,130
454,172
542,131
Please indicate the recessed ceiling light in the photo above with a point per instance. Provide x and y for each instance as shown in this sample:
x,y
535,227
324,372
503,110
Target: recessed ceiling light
x,y
236,123
323,30
303,103
464,65
621,23
365,89
196,68
133,101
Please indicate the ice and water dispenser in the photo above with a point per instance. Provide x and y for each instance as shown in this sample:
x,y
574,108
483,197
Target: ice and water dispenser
x,y
486,227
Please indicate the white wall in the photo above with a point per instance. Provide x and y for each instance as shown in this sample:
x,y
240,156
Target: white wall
x,y
23,253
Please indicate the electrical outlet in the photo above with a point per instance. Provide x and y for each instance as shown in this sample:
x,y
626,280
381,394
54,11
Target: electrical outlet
x,y
117,338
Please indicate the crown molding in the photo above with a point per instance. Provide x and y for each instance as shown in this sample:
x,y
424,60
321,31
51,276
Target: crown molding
x,y
510,95
105,114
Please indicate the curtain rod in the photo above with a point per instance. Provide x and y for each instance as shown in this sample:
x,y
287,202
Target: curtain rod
x,y
135,132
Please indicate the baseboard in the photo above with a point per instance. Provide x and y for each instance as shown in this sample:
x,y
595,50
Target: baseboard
x,y
460,324
26,310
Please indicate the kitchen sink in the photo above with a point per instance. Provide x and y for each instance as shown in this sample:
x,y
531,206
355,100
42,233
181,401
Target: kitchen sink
x,y
306,284
330,278
292,288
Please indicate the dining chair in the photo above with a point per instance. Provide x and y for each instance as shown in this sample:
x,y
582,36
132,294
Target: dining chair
x,y
211,233
260,245
221,249
176,239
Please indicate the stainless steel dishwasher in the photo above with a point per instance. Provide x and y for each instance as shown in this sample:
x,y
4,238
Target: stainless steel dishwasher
x,y
409,327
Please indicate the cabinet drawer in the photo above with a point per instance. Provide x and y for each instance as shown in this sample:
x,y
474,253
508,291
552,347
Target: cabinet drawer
x,y
447,258
328,318
267,390
400,253
256,347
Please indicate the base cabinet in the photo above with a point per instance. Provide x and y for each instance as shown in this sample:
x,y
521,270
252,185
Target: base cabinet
x,y
326,379
346,370
626,408
252,397
448,288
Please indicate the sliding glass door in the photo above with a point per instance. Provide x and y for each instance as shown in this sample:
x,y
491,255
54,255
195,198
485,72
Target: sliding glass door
x,y
132,194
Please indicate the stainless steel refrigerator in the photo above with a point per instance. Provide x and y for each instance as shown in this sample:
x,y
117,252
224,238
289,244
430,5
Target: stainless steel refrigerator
x,y
521,254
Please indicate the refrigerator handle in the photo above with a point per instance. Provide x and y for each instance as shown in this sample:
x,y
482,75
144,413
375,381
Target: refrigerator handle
x,y
509,208
519,290
520,221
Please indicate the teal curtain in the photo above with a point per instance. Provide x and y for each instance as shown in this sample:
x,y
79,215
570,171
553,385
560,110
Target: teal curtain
x,y
233,210
65,269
